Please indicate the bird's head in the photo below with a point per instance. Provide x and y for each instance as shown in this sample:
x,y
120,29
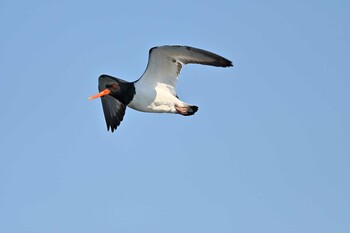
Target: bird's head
x,y
107,85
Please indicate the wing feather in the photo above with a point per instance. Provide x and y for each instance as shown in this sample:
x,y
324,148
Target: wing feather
x,y
165,63
113,110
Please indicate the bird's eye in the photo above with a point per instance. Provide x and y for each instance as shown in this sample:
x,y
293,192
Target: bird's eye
x,y
114,85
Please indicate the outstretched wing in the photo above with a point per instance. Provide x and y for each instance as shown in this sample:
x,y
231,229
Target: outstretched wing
x,y
113,110
165,63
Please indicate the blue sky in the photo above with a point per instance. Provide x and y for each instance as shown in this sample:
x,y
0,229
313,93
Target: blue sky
x,y
268,150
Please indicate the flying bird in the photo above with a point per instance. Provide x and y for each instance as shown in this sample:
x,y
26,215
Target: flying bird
x,y
155,91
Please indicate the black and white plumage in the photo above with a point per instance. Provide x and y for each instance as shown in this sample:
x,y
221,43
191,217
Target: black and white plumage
x,y
155,91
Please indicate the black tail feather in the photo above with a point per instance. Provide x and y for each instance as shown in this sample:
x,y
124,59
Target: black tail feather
x,y
191,110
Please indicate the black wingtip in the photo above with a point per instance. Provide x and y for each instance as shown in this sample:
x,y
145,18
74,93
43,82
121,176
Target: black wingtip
x,y
113,111
228,63
223,62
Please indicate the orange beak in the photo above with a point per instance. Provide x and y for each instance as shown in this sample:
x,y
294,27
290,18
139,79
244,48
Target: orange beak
x,y
102,93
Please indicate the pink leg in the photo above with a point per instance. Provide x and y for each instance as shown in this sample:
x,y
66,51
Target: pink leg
x,y
181,110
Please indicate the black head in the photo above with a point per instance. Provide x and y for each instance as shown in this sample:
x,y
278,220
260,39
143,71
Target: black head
x,y
115,95
121,90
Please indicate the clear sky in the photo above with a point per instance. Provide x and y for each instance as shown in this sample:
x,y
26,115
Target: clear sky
x,y
268,150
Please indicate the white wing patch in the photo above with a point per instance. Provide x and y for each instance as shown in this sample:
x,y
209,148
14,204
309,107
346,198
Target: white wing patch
x,y
165,63
157,85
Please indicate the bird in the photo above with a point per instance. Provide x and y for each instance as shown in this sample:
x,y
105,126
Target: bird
x,y
155,90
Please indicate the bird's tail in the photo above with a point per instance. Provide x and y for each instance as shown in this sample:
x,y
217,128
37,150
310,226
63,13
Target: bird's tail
x,y
189,110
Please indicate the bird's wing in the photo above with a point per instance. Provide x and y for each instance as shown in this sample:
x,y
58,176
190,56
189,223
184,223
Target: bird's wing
x,y
113,110
165,63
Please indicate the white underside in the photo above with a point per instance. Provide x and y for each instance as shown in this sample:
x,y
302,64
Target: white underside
x,y
155,99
